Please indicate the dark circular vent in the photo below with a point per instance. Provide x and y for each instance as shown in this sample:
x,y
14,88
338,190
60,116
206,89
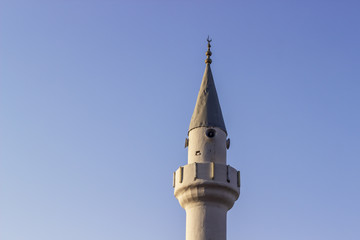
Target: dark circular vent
x,y
210,133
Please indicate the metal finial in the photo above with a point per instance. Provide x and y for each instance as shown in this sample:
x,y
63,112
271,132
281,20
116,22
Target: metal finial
x,y
208,52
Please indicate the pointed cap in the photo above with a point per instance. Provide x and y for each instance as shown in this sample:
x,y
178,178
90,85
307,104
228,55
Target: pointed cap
x,y
207,112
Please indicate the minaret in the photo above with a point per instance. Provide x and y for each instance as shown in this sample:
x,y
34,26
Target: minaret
x,y
206,187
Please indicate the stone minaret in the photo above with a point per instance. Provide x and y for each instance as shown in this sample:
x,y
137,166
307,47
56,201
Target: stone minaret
x,y
207,187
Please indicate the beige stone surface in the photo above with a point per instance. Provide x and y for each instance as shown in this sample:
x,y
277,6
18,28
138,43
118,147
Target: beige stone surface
x,y
206,191
206,187
204,149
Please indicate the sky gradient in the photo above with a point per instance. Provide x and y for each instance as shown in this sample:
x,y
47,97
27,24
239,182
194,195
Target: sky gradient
x,y
96,99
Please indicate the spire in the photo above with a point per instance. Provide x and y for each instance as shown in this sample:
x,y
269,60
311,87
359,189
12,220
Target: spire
x,y
207,112
208,53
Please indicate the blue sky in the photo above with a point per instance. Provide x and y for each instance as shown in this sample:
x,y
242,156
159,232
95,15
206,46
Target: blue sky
x,y
96,98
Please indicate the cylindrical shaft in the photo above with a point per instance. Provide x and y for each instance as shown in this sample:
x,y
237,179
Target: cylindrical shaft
x,y
206,221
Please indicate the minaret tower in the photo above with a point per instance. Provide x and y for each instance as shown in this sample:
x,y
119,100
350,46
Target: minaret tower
x,y
207,187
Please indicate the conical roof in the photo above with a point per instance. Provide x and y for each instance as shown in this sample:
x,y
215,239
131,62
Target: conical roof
x,y
207,112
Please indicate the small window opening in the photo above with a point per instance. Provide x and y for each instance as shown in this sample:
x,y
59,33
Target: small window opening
x,y
210,133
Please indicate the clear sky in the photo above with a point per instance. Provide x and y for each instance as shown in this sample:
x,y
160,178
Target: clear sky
x,y
96,98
